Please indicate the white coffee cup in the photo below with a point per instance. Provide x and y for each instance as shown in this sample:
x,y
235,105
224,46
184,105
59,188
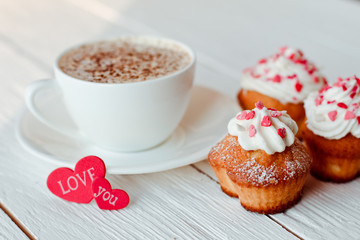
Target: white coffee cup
x,y
121,116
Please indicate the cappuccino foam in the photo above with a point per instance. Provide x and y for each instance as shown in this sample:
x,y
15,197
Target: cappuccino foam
x,y
124,60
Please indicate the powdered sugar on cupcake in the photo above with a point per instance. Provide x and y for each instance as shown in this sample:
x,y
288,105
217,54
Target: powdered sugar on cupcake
x,y
334,111
263,128
286,76
260,175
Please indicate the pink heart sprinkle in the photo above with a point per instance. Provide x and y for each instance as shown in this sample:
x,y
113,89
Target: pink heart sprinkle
x,y
281,132
311,71
250,115
316,79
342,105
241,116
349,115
277,78
332,115
266,121
252,131
298,87
301,61
259,105
357,80
325,81
292,76
353,91
358,119
262,61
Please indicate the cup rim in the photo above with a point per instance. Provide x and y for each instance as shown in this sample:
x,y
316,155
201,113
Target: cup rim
x,y
188,49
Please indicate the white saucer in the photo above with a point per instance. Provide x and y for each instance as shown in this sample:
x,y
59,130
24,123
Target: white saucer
x,y
203,125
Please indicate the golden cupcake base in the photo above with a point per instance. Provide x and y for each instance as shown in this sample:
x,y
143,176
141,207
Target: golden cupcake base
x,y
277,190
333,160
265,200
271,199
227,186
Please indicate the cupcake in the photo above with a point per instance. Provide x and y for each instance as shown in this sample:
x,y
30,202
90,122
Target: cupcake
x,y
281,81
332,130
261,161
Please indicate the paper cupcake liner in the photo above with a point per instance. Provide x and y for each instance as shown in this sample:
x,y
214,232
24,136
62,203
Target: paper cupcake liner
x,y
273,198
331,168
227,186
333,160
266,200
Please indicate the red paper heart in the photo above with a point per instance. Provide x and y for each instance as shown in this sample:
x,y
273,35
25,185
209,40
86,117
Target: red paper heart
x,y
108,198
75,186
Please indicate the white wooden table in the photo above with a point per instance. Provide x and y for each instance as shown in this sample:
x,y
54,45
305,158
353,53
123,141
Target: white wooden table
x,y
184,203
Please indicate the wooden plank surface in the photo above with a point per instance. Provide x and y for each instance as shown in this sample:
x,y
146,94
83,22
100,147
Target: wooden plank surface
x,y
8,229
180,203
326,210
336,51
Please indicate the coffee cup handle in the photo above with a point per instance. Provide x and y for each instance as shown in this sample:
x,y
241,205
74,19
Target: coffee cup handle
x,y
30,94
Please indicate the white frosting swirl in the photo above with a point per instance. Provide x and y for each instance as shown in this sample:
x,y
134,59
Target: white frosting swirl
x,y
334,111
286,76
262,128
